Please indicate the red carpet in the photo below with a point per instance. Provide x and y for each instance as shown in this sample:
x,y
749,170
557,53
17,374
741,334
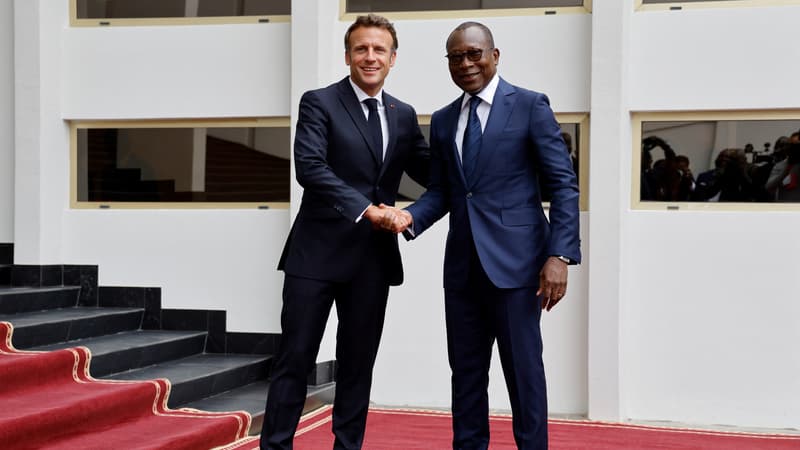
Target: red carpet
x,y
49,400
397,429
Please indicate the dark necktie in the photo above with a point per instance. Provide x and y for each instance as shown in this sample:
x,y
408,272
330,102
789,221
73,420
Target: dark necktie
x,y
374,125
472,138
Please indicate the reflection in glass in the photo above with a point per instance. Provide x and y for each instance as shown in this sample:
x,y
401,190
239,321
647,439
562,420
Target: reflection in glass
x,y
363,6
410,190
720,161
139,9
183,164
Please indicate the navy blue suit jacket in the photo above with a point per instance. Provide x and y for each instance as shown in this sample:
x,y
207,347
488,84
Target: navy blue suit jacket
x,y
341,172
501,209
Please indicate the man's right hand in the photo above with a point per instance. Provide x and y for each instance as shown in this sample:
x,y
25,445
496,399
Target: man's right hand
x,y
389,218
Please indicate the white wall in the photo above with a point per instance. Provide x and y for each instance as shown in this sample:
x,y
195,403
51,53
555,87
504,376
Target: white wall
x,y
176,72
707,298
6,121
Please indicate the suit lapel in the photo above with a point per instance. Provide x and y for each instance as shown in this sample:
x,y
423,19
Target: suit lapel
x,y
351,104
502,105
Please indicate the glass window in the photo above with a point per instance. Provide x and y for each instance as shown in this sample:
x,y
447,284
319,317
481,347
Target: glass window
x,y
106,12
655,2
694,4
710,160
363,6
156,163
574,130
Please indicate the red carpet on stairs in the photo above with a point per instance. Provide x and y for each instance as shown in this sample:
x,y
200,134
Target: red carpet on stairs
x,y
402,429
49,400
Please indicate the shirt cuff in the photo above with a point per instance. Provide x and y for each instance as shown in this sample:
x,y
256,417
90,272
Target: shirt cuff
x,y
361,216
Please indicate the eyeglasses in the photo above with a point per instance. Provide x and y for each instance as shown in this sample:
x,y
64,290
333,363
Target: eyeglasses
x,y
457,58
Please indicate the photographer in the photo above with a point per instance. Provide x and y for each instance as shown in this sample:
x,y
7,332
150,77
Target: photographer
x,y
664,181
728,181
783,180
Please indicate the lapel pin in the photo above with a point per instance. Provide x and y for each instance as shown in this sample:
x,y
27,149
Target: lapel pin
x,y
391,105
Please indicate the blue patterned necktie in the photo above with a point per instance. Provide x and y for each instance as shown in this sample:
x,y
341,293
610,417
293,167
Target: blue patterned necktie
x,y
374,125
472,138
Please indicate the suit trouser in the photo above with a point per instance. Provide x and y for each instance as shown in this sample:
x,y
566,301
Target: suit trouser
x,y
360,307
477,316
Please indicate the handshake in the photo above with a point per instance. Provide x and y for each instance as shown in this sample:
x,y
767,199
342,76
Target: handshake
x,y
388,218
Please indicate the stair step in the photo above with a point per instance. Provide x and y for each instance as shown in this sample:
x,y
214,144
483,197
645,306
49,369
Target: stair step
x,y
6,253
5,274
253,398
26,299
135,349
203,375
32,329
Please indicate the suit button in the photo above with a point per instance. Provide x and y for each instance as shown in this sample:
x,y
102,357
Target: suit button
x,y
469,194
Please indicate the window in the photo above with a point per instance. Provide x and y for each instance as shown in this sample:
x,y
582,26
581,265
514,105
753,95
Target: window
x,y
401,8
575,130
181,163
697,160
692,4
133,12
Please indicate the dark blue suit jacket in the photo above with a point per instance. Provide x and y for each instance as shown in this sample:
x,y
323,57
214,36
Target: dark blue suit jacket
x,y
341,172
501,210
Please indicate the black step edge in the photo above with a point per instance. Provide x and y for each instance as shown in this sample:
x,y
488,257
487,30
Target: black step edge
x,y
184,392
21,300
70,329
6,253
324,372
195,382
5,275
252,398
126,356
148,298
211,321
85,276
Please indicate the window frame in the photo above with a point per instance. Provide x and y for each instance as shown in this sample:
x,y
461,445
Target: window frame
x,y
638,117
678,5
262,122
476,13
74,21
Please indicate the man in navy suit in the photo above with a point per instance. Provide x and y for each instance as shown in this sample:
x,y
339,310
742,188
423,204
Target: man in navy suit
x,y
504,262
352,144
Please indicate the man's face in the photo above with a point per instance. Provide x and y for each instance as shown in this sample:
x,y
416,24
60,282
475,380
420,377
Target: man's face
x,y
370,56
472,76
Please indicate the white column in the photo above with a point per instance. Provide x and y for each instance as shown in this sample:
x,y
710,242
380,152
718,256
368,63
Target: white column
x,y
313,25
27,220
6,121
41,185
609,199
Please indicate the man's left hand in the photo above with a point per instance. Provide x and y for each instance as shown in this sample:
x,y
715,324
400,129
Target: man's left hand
x,y
552,282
